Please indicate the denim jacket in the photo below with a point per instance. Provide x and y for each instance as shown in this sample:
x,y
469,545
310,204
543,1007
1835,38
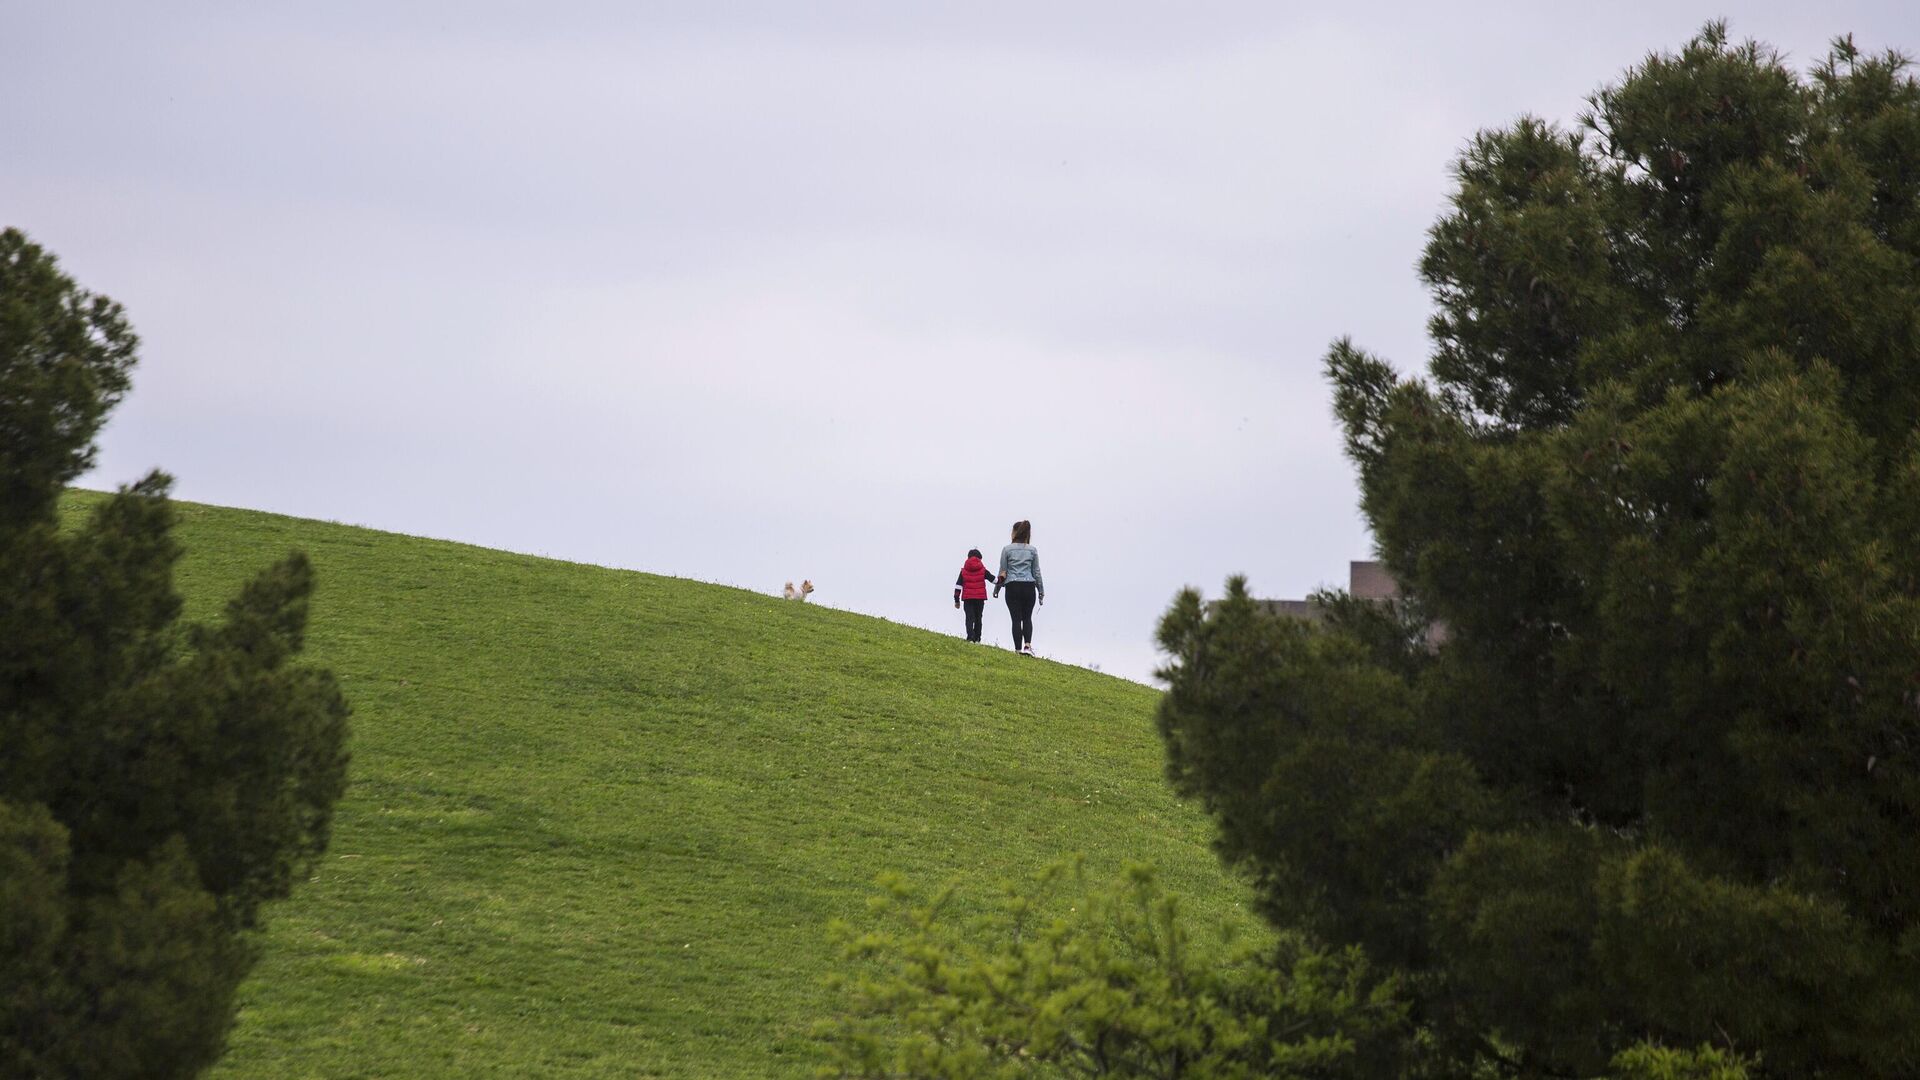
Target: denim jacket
x,y
1021,562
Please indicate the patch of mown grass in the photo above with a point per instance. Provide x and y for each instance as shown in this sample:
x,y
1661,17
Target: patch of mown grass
x,y
599,819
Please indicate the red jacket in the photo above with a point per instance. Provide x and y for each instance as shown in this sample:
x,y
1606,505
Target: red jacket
x,y
973,579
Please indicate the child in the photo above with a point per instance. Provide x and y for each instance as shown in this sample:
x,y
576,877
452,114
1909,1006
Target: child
x,y
971,587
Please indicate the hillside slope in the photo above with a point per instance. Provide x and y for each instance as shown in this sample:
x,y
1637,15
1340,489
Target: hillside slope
x,y
599,819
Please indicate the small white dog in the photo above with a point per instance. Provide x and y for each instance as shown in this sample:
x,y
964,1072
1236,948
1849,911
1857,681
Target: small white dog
x,y
800,593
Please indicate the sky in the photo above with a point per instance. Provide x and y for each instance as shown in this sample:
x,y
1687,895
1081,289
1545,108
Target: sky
x,y
756,292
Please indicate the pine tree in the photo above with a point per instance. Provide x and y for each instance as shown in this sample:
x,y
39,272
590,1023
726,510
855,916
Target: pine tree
x,y
158,783
1660,784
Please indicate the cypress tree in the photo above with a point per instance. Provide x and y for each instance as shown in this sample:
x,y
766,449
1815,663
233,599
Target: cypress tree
x,y
159,782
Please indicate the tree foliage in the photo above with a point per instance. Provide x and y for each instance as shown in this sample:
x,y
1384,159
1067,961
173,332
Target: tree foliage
x,y
1066,979
1661,782
158,782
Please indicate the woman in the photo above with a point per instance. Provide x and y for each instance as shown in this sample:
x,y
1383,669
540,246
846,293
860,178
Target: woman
x,y
1020,576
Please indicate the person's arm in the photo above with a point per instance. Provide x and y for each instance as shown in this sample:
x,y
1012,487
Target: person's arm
x,y
956,587
1039,587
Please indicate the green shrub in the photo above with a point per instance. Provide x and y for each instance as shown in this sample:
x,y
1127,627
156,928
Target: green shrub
x,y
1065,979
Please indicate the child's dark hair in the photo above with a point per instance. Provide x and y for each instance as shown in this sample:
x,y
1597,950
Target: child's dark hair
x,y
974,553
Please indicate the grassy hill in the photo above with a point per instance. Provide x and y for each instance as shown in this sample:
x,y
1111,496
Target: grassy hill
x,y
600,819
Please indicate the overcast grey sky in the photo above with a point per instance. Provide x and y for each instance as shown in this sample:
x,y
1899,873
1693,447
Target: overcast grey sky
x,y
761,291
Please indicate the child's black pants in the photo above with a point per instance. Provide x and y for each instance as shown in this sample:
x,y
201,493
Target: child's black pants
x,y
974,608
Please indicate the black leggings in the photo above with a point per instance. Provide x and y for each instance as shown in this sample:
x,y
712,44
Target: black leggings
x,y
1020,605
974,608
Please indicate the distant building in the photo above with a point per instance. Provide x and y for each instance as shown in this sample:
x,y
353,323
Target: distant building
x,y
1367,580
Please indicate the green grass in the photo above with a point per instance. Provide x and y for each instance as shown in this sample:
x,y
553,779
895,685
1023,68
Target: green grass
x,y
599,819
